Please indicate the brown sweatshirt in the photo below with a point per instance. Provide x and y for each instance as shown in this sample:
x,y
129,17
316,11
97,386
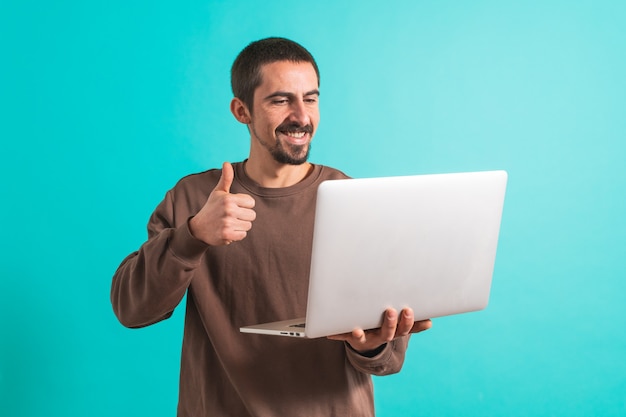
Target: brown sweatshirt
x,y
261,278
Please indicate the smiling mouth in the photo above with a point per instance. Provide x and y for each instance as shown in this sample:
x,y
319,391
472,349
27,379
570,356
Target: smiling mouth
x,y
295,135
295,131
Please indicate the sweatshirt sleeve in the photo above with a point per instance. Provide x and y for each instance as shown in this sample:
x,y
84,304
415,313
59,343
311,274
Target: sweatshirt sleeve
x,y
386,362
151,282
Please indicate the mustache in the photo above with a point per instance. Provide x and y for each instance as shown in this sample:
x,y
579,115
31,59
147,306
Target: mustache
x,y
295,127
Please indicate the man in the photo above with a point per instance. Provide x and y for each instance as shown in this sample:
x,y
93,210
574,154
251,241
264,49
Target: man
x,y
238,242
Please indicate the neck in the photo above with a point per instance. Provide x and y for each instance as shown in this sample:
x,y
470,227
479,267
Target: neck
x,y
276,175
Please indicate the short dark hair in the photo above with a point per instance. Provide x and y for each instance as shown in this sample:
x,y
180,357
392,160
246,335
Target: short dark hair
x,y
245,74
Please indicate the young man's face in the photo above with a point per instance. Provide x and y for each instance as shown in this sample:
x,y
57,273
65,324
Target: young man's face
x,y
285,111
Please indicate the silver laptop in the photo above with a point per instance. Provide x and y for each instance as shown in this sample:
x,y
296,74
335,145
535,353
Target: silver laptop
x,y
426,241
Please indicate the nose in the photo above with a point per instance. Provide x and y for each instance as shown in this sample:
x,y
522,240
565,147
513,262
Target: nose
x,y
299,113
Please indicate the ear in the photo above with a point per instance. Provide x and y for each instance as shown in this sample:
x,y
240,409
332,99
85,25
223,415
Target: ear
x,y
240,111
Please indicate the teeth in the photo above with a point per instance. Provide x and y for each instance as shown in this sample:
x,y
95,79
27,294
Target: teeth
x,y
297,135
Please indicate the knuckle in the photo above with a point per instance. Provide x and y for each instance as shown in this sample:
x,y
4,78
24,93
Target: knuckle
x,y
225,224
229,209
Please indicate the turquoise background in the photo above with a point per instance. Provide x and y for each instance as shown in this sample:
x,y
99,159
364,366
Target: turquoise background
x,y
104,105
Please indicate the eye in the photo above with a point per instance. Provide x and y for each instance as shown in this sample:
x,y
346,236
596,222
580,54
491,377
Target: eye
x,y
280,101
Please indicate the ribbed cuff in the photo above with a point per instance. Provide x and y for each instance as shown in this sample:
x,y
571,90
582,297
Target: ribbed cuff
x,y
185,246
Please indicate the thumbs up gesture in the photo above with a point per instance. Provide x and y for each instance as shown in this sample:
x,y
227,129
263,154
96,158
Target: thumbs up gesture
x,y
225,217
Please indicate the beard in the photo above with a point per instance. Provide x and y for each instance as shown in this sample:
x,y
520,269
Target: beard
x,y
286,153
290,154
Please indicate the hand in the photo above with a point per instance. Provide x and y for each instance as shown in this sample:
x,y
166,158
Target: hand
x,y
225,217
393,327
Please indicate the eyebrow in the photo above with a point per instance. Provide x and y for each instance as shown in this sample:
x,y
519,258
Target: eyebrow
x,y
315,92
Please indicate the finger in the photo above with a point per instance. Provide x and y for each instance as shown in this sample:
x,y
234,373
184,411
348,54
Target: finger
x,y
247,215
236,206
226,180
342,336
406,322
235,236
358,335
420,326
390,323
242,200
241,226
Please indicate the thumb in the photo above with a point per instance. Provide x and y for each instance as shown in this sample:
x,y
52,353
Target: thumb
x,y
226,180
